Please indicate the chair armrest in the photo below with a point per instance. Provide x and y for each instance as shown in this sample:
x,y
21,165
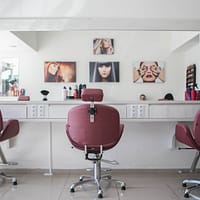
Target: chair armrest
x,y
10,129
184,135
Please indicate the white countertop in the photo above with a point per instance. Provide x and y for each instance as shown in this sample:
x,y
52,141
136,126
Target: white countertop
x,y
13,100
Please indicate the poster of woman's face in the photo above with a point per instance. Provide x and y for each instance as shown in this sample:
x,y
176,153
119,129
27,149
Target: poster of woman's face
x,y
104,71
59,71
103,46
149,72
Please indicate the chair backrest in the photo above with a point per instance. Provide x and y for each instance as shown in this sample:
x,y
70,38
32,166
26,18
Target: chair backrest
x,y
92,94
196,127
1,121
105,130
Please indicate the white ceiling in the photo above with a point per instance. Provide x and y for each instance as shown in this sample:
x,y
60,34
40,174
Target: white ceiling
x,y
38,15
126,15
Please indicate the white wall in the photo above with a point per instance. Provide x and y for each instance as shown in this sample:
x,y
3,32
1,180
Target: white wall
x,y
129,47
180,38
143,145
191,51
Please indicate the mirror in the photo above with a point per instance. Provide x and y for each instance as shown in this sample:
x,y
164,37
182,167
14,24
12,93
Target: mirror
x,y
9,77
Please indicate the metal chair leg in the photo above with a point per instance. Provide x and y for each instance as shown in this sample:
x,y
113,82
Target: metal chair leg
x,y
195,161
96,179
5,163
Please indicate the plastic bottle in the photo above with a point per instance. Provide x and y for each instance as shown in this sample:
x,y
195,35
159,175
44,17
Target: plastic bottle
x,y
79,90
83,87
64,93
76,92
70,94
193,94
188,94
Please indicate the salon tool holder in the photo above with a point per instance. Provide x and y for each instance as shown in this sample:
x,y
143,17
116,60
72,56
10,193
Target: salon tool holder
x,y
44,93
191,84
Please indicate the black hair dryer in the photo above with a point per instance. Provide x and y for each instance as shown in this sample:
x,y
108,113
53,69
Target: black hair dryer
x,y
44,93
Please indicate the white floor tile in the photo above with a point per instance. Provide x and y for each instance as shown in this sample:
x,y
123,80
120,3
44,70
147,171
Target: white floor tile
x,y
141,185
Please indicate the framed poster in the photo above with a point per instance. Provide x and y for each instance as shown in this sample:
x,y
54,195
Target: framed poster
x,y
149,72
103,46
59,71
104,71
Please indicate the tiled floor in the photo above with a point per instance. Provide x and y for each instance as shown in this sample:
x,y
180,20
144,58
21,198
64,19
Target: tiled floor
x,y
141,185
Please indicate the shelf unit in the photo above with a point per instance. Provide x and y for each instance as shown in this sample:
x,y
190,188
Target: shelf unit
x,y
191,76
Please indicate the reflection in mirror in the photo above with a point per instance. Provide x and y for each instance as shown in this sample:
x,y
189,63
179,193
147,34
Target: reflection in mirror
x,y
9,78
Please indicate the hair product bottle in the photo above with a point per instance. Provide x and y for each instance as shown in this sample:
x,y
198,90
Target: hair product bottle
x,y
64,93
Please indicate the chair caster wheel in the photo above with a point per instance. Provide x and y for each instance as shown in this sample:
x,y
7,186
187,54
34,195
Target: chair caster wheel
x,y
72,190
184,185
100,196
123,188
14,183
186,195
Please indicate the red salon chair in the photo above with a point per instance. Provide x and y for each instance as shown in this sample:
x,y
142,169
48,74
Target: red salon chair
x,y
94,128
191,138
8,130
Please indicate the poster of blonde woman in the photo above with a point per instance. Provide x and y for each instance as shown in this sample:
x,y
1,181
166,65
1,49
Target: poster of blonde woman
x,y
149,72
59,71
103,46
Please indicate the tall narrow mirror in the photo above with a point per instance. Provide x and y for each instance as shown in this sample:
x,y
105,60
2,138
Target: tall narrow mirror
x,y
9,75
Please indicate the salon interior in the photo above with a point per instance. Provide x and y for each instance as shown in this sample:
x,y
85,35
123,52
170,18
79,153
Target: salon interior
x,y
143,145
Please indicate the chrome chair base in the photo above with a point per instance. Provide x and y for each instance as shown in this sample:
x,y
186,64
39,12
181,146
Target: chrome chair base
x,y
191,185
194,197
8,178
97,179
4,162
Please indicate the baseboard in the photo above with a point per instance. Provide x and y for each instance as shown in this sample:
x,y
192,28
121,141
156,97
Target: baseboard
x,y
74,171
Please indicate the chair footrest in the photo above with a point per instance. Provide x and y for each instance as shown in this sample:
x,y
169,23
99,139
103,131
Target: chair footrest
x,y
102,169
8,163
111,162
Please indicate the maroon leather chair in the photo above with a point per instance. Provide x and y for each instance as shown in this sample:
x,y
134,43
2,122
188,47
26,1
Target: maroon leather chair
x,y
8,130
94,128
191,138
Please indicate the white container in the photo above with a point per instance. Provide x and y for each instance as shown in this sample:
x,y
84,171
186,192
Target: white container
x,y
64,94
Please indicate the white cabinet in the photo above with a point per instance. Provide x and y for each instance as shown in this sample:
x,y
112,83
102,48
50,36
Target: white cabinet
x,y
37,111
145,111
59,111
173,111
138,111
13,111
121,109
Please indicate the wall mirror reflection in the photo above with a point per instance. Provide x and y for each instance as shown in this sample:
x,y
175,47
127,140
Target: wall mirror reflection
x,y
9,76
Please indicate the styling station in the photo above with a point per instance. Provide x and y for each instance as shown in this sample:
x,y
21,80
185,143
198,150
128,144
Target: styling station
x,y
50,117
129,111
